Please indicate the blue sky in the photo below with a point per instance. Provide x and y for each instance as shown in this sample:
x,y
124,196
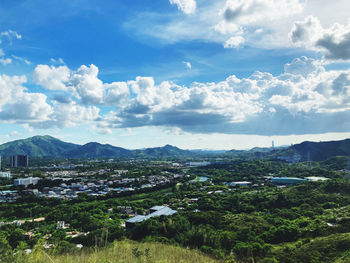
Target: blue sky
x,y
193,73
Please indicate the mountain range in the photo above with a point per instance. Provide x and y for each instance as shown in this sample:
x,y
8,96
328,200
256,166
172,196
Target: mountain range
x,y
48,146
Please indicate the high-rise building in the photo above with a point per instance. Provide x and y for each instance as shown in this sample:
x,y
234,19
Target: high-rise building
x,y
19,161
273,144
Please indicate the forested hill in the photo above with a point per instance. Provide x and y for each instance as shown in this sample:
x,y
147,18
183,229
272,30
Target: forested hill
x,y
316,151
38,146
47,146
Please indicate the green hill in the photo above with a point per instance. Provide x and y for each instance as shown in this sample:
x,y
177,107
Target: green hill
x,y
47,146
38,146
97,150
126,252
317,151
162,152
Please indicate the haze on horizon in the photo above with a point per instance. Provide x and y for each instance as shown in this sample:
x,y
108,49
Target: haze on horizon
x,y
197,74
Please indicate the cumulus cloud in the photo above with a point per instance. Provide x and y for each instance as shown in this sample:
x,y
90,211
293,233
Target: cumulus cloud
x,y
83,83
305,98
303,66
186,6
333,41
17,105
52,78
243,19
248,11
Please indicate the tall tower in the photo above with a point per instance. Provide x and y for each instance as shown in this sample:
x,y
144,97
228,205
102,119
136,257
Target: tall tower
x,y
273,144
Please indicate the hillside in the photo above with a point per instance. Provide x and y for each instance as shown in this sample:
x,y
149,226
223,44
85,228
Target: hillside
x,y
38,146
97,150
126,252
47,146
316,151
162,152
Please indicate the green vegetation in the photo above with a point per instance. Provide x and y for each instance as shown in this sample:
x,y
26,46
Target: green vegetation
x,y
120,252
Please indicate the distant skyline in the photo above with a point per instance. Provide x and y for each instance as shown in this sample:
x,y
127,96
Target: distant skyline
x,y
197,74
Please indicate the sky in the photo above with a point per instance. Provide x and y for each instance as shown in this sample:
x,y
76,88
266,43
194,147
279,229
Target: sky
x,y
197,74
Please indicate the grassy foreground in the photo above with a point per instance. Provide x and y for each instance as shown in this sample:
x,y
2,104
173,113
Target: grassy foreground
x,y
125,251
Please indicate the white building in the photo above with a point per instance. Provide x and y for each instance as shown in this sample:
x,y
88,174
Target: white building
x,y
26,181
197,164
5,175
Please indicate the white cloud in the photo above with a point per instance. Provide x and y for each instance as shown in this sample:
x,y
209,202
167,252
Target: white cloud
x,y
262,23
234,42
303,99
26,61
186,6
187,64
306,98
334,42
5,61
57,61
52,78
72,114
303,66
18,105
10,34
33,109
251,11
83,83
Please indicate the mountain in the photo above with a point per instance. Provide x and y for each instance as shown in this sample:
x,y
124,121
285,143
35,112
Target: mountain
x,y
162,152
47,146
315,151
38,146
97,150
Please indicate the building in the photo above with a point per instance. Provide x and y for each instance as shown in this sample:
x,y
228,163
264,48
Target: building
x,y
61,225
26,181
155,211
5,175
287,180
19,161
243,183
197,164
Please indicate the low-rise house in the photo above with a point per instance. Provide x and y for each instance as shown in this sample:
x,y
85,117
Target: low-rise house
x,y
155,211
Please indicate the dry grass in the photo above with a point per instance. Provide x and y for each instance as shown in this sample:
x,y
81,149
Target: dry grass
x,y
125,251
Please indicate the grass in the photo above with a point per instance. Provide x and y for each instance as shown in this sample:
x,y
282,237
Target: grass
x,y
124,251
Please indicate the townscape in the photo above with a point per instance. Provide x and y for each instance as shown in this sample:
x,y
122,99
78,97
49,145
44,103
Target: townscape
x,y
71,205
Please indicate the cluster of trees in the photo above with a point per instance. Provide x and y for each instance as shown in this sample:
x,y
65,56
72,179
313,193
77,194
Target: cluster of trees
x,y
248,224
